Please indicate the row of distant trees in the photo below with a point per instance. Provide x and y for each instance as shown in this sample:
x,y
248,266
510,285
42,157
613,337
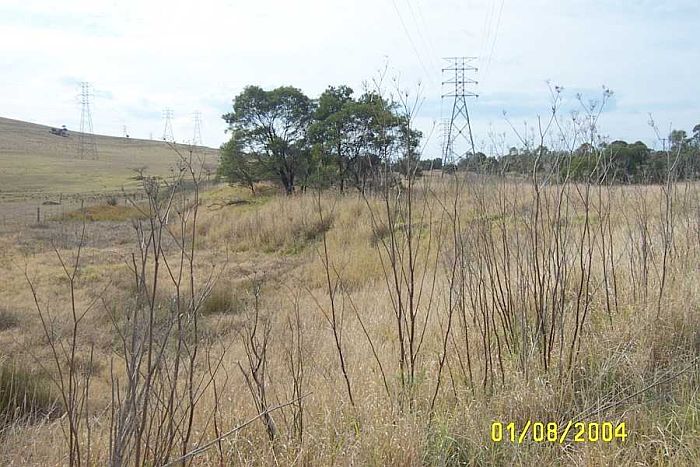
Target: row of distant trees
x,y
618,161
361,141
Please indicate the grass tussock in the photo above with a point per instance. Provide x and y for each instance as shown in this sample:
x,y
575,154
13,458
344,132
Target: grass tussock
x,y
8,319
223,299
25,396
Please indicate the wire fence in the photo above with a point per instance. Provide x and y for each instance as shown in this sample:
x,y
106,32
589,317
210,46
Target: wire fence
x,y
16,212
38,212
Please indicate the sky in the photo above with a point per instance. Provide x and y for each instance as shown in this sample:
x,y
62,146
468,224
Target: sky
x,y
144,56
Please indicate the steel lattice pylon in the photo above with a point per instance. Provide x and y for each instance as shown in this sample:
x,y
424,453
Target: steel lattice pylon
x,y
458,140
87,145
197,136
168,126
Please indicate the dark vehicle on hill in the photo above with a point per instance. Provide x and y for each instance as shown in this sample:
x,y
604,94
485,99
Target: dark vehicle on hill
x,y
63,131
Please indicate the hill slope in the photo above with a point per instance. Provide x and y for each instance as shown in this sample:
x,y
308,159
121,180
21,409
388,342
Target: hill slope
x,y
35,162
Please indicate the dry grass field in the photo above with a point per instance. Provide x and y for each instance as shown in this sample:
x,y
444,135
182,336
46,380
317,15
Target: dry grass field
x,y
391,329
38,169
34,162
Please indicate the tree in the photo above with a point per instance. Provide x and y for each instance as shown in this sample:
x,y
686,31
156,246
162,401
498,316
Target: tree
x,y
584,149
431,164
332,127
236,166
372,136
629,162
409,162
355,135
677,138
271,128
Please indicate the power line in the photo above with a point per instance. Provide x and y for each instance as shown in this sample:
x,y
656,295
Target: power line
x,y
495,37
427,44
410,40
485,29
87,145
425,27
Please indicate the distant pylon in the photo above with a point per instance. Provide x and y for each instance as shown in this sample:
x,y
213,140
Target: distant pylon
x,y
125,131
87,146
168,128
445,124
459,124
197,137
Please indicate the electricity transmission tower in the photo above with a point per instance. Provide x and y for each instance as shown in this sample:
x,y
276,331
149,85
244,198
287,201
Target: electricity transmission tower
x,y
87,146
458,140
445,124
197,137
168,128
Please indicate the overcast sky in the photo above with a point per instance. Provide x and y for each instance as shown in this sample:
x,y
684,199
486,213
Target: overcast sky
x,y
142,56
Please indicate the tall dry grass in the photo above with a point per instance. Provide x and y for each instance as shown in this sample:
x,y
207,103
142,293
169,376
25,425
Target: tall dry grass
x,y
516,302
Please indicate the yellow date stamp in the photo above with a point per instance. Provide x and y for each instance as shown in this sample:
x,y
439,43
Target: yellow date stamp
x,y
553,432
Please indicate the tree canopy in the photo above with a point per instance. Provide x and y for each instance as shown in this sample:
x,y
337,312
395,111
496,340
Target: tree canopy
x,y
270,129
335,140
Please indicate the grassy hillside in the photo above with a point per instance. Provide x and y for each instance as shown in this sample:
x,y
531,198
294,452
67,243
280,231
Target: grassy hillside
x,y
35,162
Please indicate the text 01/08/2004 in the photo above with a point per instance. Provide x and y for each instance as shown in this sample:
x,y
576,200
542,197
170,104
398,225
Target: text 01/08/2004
x,y
553,432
